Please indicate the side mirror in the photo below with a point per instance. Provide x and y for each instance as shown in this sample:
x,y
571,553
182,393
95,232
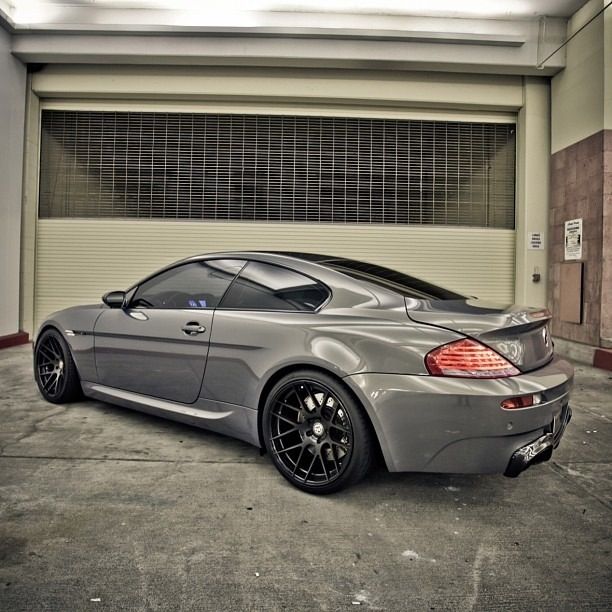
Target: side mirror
x,y
114,299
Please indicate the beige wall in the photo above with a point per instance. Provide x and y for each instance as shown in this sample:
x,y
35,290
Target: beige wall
x,y
533,154
422,90
12,108
578,91
608,70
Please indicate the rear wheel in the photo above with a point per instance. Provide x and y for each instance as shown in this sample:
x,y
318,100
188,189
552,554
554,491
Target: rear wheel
x,y
54,369
316,433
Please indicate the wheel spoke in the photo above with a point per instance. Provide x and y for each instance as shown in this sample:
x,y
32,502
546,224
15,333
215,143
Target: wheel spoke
x,y
297,463
284,418
285,405
314,458
333,416
284,433
343,429
345,447
322,460
286,450
326,397
331,450
55,348
48,383
53,386
43,368
300,400
46,353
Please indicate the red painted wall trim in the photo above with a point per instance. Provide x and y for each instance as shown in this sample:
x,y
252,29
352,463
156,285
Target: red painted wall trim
x,y
14,339
603,359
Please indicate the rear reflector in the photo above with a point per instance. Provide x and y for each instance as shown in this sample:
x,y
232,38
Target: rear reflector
x,y
468,359
523,401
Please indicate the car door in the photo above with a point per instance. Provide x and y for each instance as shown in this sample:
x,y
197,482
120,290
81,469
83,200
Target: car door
x,y
264,319
158,344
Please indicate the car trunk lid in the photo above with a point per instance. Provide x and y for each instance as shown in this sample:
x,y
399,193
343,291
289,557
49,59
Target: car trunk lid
x,y
521,334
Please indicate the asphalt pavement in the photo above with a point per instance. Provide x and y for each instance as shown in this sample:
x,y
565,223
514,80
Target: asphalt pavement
x,y
106,509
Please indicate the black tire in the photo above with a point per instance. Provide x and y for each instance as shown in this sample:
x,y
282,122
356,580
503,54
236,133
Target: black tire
x,y
316,433
54,369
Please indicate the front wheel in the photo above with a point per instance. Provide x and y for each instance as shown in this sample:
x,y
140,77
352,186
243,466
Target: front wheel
x,y
54,369
316,433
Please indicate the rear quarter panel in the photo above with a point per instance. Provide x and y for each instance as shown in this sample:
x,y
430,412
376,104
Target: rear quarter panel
x,y
247,348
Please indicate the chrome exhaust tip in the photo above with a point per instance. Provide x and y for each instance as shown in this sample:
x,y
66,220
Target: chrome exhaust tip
x,y
538,451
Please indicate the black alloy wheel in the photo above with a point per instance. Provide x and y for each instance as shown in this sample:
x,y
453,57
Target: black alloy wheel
x,y
54,369
316,432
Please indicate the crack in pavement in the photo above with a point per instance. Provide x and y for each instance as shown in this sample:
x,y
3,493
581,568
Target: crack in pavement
x,y
32,428
562,471
583,462
592,412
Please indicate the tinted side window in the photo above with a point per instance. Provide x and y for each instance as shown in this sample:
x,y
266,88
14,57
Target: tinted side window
x,y
262,286
200,284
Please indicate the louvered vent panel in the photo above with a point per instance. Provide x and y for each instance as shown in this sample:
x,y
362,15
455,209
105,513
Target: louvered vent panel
x,y
276,168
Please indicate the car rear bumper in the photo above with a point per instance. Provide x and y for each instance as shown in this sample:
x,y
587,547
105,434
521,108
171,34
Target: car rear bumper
x,y
541,449
437,424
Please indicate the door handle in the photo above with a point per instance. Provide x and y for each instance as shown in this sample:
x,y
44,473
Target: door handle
x,y
193,328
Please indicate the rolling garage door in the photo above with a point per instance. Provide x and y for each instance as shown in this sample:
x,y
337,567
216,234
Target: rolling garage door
x,y
122,193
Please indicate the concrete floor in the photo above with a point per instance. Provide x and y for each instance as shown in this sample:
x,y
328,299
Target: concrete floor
x,y
107,509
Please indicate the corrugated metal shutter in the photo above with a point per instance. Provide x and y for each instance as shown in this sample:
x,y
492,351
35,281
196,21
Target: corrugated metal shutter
x,y
276,168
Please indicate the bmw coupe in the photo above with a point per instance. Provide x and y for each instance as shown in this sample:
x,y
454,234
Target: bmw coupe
x,y
322,362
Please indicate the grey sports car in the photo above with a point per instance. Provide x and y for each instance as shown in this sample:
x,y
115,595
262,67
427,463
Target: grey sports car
x,y
321,361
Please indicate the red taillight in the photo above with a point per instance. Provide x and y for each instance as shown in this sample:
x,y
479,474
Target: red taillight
x,y
468,359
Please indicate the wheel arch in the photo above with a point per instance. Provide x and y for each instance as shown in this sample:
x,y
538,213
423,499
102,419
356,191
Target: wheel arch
x,y
79,346
55,327
46,326
279,374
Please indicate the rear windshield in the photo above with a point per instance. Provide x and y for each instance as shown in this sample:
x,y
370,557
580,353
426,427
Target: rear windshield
x,y
408,286
405,285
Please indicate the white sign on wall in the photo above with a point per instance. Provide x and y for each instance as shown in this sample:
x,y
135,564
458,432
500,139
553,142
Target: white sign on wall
x,y
573,239
535,241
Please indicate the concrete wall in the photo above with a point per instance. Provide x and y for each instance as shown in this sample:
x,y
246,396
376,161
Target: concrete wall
x,y
12,109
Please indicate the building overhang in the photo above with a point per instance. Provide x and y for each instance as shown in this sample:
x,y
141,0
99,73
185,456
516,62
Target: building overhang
x,y
101,34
